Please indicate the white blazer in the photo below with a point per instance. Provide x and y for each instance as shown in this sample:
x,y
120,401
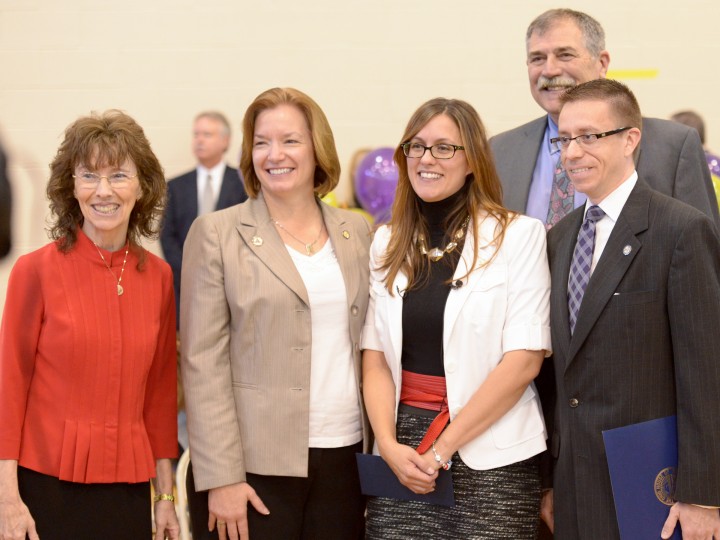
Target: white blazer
x,y
501,307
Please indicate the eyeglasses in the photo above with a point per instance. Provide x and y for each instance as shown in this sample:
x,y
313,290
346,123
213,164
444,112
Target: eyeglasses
x,y
438,151
585,140
116,180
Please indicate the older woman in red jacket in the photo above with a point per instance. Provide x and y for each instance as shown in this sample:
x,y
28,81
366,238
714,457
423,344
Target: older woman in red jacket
x,y
87,351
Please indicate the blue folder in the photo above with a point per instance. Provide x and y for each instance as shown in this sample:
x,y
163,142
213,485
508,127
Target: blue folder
x,y
642,459
377,479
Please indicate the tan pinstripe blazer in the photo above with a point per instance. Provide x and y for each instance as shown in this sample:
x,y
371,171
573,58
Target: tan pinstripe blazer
x,y
246,340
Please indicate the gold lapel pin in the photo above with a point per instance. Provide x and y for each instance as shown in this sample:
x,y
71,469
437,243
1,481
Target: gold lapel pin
x,y
346,235
257,241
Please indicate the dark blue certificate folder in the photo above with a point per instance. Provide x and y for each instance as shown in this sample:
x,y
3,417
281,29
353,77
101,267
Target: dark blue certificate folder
x,y
377,479
643,459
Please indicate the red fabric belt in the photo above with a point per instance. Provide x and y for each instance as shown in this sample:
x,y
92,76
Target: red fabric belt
x,y
426,392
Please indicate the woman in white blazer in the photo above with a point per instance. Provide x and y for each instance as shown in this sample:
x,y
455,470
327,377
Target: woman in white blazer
x,y
456,331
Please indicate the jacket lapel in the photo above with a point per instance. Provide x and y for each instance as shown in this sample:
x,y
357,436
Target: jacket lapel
x,y
344,245
558,302
259,234
621,249
458,296
394,313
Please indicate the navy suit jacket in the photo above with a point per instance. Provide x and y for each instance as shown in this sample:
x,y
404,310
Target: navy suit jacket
x,y
671,161
645,346
181,211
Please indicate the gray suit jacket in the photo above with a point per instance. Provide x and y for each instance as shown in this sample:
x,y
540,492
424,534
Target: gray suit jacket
x,y
246,341
645,346
671,161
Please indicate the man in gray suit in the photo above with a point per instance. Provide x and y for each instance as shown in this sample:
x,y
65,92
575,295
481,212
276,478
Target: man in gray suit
x,y
566,48
634,308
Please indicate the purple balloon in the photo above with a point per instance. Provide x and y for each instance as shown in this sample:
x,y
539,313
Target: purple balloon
x,y
376,178
713,162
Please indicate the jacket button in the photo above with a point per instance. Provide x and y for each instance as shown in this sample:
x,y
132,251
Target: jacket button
x,y
354,310
574,402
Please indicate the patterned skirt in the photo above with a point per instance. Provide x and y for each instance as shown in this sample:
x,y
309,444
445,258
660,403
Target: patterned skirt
x,y
502,503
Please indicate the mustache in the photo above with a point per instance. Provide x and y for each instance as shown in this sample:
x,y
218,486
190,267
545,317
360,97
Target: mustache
x,y
544,83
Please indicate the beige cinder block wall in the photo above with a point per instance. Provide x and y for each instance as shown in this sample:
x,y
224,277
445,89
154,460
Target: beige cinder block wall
x,y
368,63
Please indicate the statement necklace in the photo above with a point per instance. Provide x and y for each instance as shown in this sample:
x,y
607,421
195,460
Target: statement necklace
x,y
309,247
435,254
120,290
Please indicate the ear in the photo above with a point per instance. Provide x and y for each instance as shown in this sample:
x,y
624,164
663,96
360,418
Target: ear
x,y
633,141
604,60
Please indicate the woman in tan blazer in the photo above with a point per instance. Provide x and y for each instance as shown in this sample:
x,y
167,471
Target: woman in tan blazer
x,y
274,294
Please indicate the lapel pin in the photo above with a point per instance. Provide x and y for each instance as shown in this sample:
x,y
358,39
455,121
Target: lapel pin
x,y
257,241
346,235
627,250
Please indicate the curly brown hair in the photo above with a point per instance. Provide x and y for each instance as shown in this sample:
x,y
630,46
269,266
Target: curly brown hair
x,y
105,140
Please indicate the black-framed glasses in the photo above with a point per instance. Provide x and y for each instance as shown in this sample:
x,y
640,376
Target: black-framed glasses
x,y
438,151
585,140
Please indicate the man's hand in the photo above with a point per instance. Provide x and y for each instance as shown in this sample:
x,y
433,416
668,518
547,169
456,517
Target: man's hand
x,y
697,523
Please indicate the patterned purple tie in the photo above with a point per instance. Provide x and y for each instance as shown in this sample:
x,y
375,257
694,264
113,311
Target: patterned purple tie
x,y
562,197
581,263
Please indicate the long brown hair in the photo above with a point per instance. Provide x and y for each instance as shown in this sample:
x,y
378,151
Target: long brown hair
x,y
484,193
95,141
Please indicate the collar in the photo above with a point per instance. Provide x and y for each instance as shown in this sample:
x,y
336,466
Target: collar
x,y
613,204
218,171
550,133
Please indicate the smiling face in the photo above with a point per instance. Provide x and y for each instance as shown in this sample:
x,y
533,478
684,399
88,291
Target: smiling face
x,y
597,169
558,59
283,155
106,208
435,179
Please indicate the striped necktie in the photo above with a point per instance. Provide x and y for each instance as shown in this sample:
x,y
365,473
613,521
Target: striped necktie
x,y
582,263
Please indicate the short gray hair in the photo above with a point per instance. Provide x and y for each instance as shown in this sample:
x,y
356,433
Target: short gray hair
x,y
218,117
591,30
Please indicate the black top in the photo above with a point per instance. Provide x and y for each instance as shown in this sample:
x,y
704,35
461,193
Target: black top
x,y
424,306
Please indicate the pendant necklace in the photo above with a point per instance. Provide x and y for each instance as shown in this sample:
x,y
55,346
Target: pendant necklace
x,y
309,247
120,289
435,254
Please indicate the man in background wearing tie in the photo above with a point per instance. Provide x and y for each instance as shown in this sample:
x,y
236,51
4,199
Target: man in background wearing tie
x,y
565,48
211,186
634,308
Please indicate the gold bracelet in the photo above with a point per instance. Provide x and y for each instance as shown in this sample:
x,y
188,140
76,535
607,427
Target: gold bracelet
x,y
164,497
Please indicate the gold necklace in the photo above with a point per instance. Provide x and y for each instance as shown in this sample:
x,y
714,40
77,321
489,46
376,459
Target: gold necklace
x,y
309,247
435,254
120,289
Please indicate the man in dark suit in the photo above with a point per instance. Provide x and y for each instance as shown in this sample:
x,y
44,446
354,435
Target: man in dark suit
x,y
212,185
634,309
565,48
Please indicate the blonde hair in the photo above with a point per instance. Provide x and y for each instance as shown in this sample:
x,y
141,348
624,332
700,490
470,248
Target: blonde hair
x,y
327,169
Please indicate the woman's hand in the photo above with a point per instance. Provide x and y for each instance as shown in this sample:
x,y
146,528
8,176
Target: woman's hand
x,y
15,518
166,521
16,521
228,509
414,472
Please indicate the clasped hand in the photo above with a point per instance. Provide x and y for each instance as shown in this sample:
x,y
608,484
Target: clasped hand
x,y
416,472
